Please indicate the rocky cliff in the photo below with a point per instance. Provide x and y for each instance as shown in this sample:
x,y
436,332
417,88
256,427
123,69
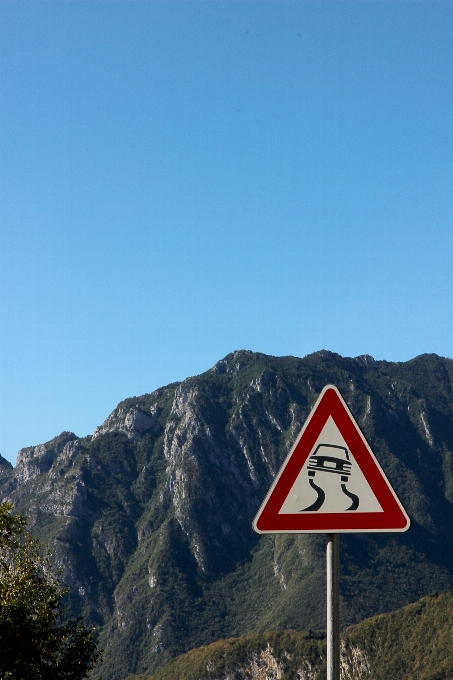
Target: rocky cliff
x,y
149,518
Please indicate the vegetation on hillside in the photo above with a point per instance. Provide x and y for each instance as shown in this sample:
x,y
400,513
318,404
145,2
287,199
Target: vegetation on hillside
x,y
413,642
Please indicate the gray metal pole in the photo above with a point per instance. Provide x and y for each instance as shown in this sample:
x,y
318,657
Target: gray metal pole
x,y
333,606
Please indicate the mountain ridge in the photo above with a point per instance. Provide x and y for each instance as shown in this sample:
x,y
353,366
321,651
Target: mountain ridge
x,y
149,518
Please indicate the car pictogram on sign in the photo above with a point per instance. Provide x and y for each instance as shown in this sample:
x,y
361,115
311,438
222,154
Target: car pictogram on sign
x,y
324,460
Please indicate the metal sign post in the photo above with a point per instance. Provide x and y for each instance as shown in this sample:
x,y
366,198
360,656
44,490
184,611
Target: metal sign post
x,y
333,606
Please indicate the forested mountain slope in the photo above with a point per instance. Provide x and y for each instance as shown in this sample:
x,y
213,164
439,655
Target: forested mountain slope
x,y
150,518
413,642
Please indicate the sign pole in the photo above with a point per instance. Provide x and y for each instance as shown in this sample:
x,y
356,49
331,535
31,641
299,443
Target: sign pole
x,y
333,606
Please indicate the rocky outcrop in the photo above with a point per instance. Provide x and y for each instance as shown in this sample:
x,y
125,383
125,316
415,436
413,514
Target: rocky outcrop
x,y
36,460
354,662
133,421
260,666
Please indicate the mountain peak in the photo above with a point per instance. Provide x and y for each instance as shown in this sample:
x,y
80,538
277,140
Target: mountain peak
x,y
150,518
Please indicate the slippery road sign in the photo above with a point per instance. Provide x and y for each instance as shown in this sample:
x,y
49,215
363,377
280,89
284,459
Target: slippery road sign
x,y
331,481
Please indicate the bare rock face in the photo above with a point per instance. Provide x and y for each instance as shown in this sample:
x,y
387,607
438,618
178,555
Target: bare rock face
x,y
133,421
36,460
150,518
261,665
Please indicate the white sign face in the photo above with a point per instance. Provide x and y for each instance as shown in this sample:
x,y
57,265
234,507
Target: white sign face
x,y
330,479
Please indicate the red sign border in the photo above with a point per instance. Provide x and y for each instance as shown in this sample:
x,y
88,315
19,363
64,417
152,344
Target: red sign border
x,y
393,518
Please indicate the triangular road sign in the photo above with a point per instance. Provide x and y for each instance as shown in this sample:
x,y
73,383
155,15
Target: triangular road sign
x,y
331,481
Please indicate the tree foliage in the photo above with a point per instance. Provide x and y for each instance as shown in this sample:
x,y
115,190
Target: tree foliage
x,y
37,640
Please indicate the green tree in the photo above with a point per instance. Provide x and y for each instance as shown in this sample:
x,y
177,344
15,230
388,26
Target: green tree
x,y
37,640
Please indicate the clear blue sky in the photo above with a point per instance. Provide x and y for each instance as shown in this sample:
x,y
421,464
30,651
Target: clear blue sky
x,y
182,179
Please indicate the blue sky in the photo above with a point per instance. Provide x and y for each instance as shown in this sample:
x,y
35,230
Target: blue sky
x,y
179,180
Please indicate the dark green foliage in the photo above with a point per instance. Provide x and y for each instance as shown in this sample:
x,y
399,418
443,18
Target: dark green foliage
x,y
414,642
37,641
4,463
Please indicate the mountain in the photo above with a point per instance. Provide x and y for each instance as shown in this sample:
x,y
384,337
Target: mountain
x,y
413,642
149,518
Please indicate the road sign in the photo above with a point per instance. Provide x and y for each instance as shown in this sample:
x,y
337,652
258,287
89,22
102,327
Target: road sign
x,y
331,481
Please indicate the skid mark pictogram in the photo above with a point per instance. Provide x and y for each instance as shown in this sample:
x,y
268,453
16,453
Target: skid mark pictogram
x,y
323,461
